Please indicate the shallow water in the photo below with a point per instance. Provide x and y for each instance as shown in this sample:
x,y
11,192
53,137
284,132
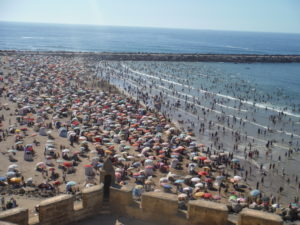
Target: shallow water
x,y
223,93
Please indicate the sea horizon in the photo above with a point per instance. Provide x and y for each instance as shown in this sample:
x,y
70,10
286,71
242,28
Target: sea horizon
x,y
104,38
150,27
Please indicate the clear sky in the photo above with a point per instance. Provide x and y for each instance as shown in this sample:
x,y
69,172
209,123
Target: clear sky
x,y
241,15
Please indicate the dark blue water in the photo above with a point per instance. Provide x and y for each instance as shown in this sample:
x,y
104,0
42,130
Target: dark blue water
x,y
54,37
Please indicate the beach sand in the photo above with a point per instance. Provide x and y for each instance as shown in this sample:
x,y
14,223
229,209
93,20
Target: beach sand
x,y
66,73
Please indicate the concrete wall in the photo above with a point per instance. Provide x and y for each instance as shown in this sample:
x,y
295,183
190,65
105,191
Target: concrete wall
x,y
16,215
160,208
254,217
206,212
56,210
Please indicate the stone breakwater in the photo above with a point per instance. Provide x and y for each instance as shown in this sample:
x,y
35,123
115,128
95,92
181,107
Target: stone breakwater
x,y
139,56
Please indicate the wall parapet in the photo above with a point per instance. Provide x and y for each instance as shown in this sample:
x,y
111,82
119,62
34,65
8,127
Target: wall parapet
x,y
17,215
158,207
255,217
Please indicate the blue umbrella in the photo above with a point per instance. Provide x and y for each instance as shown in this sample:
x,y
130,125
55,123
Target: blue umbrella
x,y
2,178
255,192
10,174
179,181
235,160
99,164
167,186
136,164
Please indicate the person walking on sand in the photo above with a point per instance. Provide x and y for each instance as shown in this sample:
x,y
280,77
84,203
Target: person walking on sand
x,y
3,203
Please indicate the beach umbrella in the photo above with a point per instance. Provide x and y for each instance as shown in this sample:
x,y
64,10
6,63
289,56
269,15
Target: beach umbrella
x,y
118,170
136,174
207,161
12,151
182,196
66,151
232,198
100,165
163,180
235,160
203,173
10,174
40,164
221,167
195,179
220,178
216,197
254,192
207,195
136,164
237,178
88,166
71,183
199,185
199,194
60,161
2,179
179,181
139,187
166,186
187,189
68,164
241,199
130,157
121,159
13,166
15,180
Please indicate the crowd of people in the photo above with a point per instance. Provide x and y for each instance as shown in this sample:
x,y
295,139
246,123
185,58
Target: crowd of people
x,y
71,122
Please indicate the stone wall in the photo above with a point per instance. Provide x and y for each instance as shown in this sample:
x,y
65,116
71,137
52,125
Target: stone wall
x,y
254,217
160,208
16,215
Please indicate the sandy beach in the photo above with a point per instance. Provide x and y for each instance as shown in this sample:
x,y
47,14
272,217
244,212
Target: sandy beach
x,y
60,121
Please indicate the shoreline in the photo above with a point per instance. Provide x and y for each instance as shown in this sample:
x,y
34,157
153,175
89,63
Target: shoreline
x,y
178,57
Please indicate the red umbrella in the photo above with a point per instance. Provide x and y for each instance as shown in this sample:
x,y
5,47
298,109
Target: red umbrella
x,y
56,182
207,195
202,173
68,164
202,158
208,180
88,165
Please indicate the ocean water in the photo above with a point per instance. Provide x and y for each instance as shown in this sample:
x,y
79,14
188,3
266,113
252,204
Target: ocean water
x,y
54,37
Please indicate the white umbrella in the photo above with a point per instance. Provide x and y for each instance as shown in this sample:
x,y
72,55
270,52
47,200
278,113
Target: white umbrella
x,y
200,185
66,151
195,179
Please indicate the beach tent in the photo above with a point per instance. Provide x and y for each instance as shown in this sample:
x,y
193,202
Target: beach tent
x,y
88,170
43,131
28,156
62,132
